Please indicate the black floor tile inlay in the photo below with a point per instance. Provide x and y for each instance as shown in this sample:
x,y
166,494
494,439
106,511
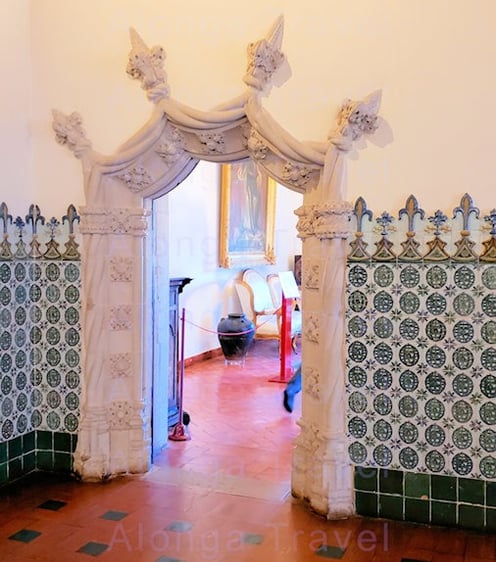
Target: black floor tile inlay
x,y
252,538
25,535
327,551
52,505
93,548
412,560
114,515
180,526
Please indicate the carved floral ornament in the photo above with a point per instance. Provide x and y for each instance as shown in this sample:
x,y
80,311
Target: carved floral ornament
x,y
113,221
234,130
122,414
328,220
121,269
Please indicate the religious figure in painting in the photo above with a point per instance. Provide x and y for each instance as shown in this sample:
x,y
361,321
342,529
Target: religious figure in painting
x,y
248,201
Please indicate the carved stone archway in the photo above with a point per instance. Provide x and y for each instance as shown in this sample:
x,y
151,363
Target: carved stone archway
x,y
114,434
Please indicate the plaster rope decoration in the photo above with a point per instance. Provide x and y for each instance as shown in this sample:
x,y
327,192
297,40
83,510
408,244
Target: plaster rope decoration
x,y
323,227
168,147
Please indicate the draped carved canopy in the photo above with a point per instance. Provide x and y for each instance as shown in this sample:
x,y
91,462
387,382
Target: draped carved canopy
x,y
177,136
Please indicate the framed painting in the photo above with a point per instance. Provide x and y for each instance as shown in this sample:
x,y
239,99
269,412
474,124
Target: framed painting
x,y
248,197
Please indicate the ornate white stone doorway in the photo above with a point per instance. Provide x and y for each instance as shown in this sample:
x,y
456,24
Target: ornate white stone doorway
x,y
114,434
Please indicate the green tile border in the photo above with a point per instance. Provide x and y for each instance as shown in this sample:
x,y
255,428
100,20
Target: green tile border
x,y
491,520
471,516
366,479
426,498
444,488
14,448
417,485
491,494
4,473
443,513
471,491
391,481
3,452
418,511
44,440
36,450
391,507
367,504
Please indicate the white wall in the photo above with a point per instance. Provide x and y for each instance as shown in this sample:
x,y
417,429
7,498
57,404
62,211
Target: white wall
x,y
433,59
15,106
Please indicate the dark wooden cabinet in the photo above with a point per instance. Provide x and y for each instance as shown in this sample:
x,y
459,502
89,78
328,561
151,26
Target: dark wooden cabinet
x,y
176,285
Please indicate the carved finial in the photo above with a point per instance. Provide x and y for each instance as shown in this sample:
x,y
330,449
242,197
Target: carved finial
x,y
52,252
491,219
410,245
437,246
276,33
361,211
5,247
71,217
69,132
411,209
438,219
34,217
358,245
465,209
356,118
21,251
465,246
5,217
71,246
489,254
147,66
265,57
384,250
384,221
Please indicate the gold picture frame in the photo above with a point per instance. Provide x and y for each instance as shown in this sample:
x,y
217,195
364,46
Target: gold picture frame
x,y
247,213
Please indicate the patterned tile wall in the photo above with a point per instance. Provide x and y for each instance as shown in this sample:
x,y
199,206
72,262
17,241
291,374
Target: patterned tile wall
x,y
421,341
421,367
40,346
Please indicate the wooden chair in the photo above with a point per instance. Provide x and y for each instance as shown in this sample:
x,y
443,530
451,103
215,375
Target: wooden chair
x,y
256,303
264,310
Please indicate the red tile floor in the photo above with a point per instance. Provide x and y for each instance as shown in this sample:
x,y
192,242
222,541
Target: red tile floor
x,y
222,496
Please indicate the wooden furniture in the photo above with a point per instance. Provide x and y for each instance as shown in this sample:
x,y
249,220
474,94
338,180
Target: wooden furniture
x,y
263,307
176,285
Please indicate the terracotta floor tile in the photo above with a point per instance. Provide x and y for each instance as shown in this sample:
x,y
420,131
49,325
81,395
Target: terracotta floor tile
x,y
228,489
481,546
447,557
414,554
424,538
451,541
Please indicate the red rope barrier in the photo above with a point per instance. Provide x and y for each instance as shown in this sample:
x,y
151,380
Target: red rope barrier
x,y
225,333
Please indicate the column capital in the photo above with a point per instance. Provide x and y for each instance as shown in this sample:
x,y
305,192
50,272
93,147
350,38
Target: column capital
x,y
325,220
97,220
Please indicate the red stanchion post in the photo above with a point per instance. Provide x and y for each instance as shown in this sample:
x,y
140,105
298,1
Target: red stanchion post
x,y
285,349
